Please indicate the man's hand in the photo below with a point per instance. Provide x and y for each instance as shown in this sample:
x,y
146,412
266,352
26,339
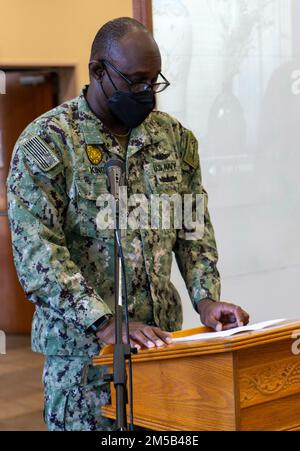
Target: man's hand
x,y
139,334
221,315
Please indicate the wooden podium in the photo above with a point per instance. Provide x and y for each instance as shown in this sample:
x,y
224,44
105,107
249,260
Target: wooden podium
x,y
250,381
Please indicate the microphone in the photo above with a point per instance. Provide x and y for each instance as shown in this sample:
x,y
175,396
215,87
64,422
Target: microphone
x,y
115,172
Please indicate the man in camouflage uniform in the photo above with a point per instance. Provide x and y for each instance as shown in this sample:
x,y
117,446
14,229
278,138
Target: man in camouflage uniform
x,y
65,262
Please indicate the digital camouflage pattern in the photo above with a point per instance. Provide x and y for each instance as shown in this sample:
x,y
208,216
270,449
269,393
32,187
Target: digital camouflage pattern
x,y
74,395
64,263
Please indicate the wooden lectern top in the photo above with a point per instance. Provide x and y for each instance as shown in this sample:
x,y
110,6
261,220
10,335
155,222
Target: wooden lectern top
x,y
277,332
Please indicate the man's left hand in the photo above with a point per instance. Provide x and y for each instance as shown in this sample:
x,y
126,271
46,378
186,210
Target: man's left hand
x,y
221,315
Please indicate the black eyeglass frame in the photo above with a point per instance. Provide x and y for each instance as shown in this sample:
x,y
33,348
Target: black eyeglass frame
x,y
149,86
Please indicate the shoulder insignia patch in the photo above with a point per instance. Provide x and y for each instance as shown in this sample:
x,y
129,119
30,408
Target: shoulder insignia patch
x,y
38,150
190,156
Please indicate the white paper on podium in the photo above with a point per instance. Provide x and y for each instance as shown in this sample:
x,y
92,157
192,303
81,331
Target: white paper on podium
x,y
230,332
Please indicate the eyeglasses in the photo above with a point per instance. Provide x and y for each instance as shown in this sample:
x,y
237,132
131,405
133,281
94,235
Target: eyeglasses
x,y
139,86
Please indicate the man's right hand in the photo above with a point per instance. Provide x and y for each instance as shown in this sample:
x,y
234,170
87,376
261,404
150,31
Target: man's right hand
x,y
139,334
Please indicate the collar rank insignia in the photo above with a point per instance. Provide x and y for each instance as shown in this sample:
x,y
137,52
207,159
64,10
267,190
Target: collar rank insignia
x,y
94,154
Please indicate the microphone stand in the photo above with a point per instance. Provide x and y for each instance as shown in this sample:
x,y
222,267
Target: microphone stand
x,y
122,351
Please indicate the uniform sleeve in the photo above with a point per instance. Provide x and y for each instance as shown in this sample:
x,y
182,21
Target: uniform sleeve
x,y
37,203
196,250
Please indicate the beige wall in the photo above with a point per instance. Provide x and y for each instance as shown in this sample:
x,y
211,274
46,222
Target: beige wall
x,y
54,32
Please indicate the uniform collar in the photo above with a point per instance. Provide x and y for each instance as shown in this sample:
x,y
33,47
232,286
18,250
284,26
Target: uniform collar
x,y
95,132
91,127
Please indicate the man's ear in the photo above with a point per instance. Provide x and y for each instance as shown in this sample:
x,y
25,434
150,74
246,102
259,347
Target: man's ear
x,y
96,69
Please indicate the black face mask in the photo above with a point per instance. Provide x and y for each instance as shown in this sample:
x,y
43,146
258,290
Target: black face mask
x,y
131,108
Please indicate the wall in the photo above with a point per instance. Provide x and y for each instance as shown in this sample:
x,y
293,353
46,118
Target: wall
x,y
234,68
56,32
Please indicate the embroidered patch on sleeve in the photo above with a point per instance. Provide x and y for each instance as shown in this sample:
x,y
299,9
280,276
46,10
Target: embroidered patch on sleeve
x,y
38,150
190,157
191,151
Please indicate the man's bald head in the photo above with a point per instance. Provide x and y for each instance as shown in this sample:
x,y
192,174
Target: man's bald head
x,y
123,48
111,33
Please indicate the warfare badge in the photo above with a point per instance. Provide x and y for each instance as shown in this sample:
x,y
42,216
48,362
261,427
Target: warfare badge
x,y
94,154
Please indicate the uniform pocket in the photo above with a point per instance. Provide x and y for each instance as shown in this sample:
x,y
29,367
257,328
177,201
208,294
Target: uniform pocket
x,y
89,188
55,409
61,376
83,408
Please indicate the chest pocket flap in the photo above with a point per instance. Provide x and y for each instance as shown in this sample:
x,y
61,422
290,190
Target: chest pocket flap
x,y
90,187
